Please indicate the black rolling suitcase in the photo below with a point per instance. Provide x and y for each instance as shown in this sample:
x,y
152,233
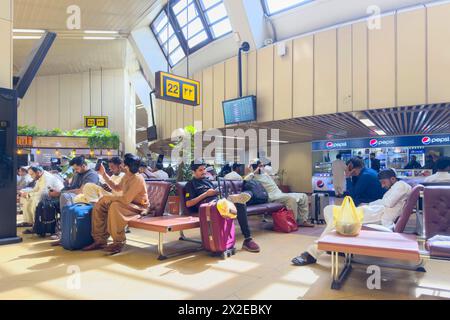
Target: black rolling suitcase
x,y
45,218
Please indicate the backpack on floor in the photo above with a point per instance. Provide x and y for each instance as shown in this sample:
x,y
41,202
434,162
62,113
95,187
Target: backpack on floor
x,y
45,217
257,191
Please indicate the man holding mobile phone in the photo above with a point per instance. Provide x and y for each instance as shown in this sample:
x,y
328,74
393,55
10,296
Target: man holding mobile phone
x,y
83,175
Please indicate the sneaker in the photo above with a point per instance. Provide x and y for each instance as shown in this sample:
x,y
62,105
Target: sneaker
x,y
304,259
241,198
251,246
306,224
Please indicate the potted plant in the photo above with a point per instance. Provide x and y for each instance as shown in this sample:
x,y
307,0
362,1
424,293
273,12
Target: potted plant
x,y
183,172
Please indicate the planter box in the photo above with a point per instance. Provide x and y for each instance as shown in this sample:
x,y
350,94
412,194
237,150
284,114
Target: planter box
x,y
173,204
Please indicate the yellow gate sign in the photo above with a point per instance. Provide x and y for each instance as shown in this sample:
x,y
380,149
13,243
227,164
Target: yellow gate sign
x,y
177,89
99,122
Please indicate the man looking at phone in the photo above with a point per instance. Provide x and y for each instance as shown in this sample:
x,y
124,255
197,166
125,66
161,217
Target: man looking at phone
x,y
201,190
92,192
111,213
83,175
297,202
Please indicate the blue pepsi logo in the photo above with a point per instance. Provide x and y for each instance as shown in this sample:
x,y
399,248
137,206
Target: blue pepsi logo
x,y
320,184
373,142
426,140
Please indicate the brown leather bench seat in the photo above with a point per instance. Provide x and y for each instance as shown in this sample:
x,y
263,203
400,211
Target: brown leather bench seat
x,y
233,187
158,194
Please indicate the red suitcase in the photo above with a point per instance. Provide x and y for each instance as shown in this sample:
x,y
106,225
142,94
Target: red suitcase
x,y
218,233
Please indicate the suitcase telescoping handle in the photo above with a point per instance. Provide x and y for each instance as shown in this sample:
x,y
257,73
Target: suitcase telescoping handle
x,y
225,187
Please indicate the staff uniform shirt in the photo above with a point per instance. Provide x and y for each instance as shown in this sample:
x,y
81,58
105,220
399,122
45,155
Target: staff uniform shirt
x,y
195,188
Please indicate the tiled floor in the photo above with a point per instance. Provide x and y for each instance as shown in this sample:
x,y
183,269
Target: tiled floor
x,y
35,270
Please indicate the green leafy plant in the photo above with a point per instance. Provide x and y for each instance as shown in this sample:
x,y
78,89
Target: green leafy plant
x,y
184,169
97,138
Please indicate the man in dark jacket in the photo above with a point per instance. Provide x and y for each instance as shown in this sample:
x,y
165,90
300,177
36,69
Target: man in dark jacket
x,y
367,187
374,162
413,164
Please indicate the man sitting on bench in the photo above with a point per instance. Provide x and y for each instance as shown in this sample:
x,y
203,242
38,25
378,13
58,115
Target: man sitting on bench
x,y
384,211
201,190
111,213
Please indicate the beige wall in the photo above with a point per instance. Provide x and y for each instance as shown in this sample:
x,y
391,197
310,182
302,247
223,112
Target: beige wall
x,y
6,56
342,69
61,101
297,161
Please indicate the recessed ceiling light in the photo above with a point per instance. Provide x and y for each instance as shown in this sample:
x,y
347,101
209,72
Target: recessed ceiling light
x,y
28,31
99,38
101,32
26,37
367,122
380,132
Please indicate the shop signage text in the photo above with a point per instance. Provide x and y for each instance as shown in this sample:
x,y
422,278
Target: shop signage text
x,y
385,142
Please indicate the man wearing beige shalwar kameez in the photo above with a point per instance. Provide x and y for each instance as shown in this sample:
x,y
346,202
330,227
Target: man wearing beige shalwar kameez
x,y
112,213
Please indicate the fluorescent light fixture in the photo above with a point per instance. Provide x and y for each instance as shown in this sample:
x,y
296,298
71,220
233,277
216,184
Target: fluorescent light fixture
x,y
101,32
28,31
380,132
99,38
26,37
367,122
277,141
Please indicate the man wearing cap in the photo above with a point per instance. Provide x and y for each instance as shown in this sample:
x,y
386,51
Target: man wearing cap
x,y
384,211
297,202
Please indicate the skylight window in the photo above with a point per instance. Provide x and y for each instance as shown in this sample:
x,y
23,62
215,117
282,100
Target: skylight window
x,y
167,39
276,6
192,25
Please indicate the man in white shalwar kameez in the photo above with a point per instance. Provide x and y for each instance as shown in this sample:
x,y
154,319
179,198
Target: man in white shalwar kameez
x,y
338,168
384,211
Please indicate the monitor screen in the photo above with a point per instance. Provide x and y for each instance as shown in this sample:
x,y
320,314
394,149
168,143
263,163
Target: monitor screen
x,y
239,110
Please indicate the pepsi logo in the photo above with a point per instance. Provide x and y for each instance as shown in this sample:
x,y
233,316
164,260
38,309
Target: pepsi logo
x,y
373,142
330,144
320,184
426,140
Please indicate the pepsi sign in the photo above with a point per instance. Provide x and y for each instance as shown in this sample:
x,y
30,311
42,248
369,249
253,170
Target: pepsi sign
x,y
426,140
385,142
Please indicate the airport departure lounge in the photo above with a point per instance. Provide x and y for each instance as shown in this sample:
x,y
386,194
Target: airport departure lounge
x,y
243,150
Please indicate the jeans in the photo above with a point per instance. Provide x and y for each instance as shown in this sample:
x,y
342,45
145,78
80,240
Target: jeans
x,y
243,220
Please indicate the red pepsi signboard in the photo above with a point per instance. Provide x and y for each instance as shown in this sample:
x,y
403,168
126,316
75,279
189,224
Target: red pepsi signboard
x,y
383,142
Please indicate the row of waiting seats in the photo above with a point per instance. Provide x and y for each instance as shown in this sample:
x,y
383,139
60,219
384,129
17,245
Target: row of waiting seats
x,y
430,204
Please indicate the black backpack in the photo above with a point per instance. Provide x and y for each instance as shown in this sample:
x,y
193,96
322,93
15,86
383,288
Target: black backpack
x,y
256,189
45,218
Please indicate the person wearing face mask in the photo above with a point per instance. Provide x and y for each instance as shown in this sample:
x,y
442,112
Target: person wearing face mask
x,y
384,211
297,202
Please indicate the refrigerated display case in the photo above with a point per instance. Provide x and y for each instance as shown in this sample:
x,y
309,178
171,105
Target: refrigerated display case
x,y
397,158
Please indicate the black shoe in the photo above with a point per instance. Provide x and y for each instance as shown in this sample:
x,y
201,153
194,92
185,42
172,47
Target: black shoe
x,y
127,230
28,231
304,259
24,225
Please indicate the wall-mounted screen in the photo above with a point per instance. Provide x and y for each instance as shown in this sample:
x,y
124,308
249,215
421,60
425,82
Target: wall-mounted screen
x,y
239,110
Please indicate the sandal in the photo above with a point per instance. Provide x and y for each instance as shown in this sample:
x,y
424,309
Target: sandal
x,y
113,249
304,259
